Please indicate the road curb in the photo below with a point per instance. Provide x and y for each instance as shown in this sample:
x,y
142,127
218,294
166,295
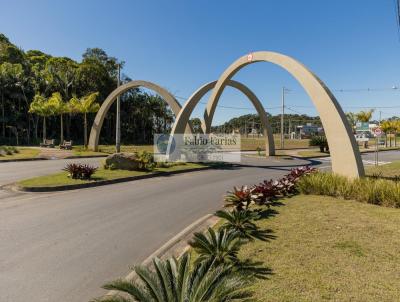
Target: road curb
x,y
45,158
103,182
83,157
22,159
176,246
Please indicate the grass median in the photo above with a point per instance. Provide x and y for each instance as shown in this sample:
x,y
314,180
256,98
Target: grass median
x,y
62,179
23,153
391,170
327,249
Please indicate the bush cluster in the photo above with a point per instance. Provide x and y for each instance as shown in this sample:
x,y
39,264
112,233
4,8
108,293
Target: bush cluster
x,y
266,192
217,274
8,150
369,190
80,171
321,142
142,160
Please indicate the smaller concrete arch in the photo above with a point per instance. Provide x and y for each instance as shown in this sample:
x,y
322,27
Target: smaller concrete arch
x,y
99,119
182,118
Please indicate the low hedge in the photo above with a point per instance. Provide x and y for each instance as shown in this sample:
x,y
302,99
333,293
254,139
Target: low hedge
x,y
369,190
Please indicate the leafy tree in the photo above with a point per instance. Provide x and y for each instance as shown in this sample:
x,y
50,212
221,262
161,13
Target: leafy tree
x,y
10,53
60,73
174,280
196,124
85,105
321,142
9,76
351,117
99,55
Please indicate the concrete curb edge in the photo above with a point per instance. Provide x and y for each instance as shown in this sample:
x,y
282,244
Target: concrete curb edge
x,y
104,182
172,246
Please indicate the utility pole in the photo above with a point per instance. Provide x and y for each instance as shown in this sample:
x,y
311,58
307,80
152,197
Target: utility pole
x,y
282,115
118,118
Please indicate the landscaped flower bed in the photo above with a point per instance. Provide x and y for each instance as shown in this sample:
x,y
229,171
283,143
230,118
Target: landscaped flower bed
x,y
229,260
217,274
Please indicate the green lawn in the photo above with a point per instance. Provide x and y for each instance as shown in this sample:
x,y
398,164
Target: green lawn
x,y
82,152
24,153
249,143
126,148
312,153
388,170
328,249
61,179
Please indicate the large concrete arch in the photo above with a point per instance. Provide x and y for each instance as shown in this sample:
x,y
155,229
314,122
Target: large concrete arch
x,y
346,159
99,119
182,118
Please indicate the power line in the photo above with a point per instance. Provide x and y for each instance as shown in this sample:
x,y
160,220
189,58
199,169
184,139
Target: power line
x,y
367,107
393,88
229,107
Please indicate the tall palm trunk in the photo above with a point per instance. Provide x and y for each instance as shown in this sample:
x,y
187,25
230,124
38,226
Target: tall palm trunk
x,y
61,129
28,136
36,125
44,128
85,130
3,114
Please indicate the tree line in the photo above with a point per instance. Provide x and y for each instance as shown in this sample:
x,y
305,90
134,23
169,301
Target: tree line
x,y
245,124
44,96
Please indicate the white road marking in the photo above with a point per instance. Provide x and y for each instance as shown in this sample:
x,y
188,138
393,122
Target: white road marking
x,y
365,161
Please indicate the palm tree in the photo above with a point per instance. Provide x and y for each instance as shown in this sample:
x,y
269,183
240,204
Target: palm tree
x,y
351,117
388,127
85,105
364,116
242,223
60,108
42,107
218,247
174,280
396,130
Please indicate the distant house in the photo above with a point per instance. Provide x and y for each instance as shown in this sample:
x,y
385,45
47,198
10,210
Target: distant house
x,y
308,130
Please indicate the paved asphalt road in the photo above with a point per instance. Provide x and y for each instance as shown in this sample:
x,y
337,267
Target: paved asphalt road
x,y
63,246
13,171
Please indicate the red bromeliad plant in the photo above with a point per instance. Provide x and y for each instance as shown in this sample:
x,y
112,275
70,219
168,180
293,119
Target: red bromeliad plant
x,y
80,171
267,191
239,198
296,173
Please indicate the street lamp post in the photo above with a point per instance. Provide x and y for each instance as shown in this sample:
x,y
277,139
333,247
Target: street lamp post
x,y
282,122
118,117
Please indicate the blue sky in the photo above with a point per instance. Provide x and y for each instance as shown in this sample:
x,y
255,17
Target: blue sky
x,y
184,44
